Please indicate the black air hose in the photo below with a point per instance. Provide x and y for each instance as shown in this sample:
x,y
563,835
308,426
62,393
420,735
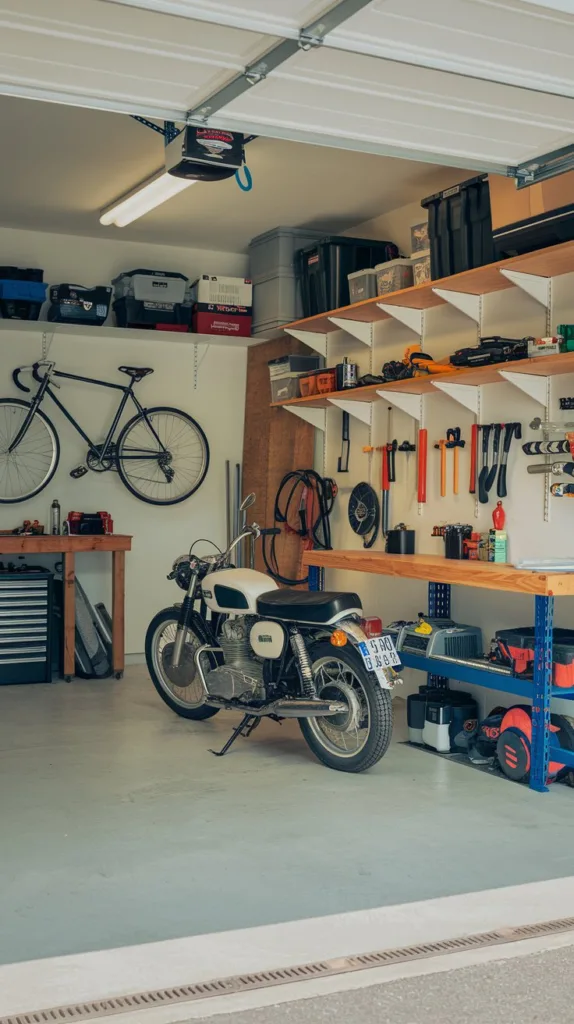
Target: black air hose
x,y
315,535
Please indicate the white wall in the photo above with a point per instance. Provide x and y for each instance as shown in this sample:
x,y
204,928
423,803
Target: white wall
x,y
511,313
160,534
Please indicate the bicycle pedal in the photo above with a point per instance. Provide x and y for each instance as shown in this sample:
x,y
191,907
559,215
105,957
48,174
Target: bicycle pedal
x,y
78,472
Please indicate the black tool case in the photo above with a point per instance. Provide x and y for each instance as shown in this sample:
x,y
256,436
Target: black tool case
x,y
26,627
75,304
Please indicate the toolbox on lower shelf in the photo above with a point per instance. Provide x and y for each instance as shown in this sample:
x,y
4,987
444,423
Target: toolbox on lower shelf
x,y
25,627
515,647
152,316
75,304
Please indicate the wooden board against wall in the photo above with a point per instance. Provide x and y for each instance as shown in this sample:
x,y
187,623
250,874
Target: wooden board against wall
x,y
275,442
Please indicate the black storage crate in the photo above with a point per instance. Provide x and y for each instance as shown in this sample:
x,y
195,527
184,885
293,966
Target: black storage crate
x,y
130,312
21,274
539,232
75,304
460,227
26,627
323,269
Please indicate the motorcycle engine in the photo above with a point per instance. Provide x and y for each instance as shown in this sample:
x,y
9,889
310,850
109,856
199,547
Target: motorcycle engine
x,y
242,674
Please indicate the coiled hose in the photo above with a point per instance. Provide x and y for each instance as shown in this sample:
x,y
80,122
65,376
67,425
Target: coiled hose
x,y
306,499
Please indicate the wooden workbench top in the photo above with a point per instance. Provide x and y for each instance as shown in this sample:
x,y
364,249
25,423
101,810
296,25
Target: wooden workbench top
x,y
437,569
15,544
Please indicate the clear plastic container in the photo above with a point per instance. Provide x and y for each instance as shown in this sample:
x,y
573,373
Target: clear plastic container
x,y
394,276
362,285
283,388
421,264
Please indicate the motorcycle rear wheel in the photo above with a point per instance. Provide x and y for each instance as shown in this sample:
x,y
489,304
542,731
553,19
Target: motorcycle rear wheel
x,y
356,741
180,688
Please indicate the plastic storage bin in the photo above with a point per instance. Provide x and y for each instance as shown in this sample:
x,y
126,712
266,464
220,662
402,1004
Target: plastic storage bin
x,y
308,384
393,276
130,312
21,299
323,269
420,237
421,264
283,388
21,274
151,286
294,363
460,228
222,291
327,381
362,285
272,267
75,304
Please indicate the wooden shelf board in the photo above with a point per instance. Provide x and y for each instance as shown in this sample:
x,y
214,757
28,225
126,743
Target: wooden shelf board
x,y
551,262
12,544
435,568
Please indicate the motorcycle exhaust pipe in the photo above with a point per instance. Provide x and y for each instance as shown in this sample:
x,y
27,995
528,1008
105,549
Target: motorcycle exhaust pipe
x,y
294,708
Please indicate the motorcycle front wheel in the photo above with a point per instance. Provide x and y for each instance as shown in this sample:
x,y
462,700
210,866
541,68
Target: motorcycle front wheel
x,y
356,739
180,688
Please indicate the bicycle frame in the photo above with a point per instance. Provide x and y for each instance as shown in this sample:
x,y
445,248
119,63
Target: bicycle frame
x,y
99,451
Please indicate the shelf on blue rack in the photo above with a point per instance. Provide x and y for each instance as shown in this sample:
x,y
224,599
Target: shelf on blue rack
x,y
478,676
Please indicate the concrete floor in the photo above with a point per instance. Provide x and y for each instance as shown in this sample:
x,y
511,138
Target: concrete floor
x,y
119,827
527,990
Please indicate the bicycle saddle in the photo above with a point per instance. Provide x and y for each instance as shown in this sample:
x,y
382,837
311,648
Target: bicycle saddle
x,y
136,372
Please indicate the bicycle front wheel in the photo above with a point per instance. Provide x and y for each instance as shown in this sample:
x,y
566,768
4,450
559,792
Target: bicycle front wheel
x,y
29,467
162,456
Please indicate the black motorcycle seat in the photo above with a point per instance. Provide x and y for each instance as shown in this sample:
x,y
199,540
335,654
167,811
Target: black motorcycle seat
x,y
137,372
315,606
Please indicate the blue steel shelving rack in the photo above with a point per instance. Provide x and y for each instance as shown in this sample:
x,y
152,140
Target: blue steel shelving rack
x,y
540,690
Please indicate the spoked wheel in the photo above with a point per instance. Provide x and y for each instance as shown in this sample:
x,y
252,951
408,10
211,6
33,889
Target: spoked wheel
x,y
26,470
355,740
163,456
180,687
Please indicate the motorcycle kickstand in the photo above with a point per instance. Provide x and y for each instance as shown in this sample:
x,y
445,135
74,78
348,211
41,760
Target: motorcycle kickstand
x,y
246,726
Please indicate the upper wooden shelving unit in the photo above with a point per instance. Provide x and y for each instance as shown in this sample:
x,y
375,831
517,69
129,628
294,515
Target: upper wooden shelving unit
x,y
485,575
552,262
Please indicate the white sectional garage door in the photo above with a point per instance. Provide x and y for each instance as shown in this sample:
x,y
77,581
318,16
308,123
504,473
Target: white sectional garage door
x,y
481,83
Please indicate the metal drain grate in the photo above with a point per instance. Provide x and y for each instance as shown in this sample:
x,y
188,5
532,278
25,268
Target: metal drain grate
x,y
284,975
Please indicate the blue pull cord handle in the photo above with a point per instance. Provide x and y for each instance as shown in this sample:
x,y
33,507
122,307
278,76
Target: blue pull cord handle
x,y
247,185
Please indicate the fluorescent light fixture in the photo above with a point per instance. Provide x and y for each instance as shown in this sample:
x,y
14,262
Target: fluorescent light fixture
x,y
144,197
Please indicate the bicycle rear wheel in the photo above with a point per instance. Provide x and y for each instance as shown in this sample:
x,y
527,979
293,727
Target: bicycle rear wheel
x,y
26,470
162,456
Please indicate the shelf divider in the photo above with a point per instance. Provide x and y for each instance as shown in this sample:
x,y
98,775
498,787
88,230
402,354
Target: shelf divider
x,y
405,401
360,330
362,411
318,342
412,318
470,305
533,385
532,284
467,395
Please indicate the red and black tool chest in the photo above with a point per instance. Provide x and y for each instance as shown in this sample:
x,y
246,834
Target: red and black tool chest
x,y
515,647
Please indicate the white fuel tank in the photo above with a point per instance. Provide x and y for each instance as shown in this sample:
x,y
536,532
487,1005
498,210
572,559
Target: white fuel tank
x,y
235,591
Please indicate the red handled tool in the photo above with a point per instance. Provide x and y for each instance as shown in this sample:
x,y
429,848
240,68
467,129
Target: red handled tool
x,y
473,457
422,466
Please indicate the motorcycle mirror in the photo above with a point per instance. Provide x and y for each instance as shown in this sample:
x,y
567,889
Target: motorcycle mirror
x,y
247,502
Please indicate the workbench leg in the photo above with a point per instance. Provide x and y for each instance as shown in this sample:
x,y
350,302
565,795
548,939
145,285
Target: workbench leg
x,y
544,617
118,612
316,578
69,615
439,608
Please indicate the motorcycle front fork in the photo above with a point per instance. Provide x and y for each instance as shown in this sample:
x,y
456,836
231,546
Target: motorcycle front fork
x,y
184,621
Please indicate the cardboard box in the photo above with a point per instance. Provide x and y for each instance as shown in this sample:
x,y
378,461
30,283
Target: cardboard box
x,y
509,204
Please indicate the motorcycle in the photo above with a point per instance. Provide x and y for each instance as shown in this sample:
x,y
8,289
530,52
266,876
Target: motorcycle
x,y
272,653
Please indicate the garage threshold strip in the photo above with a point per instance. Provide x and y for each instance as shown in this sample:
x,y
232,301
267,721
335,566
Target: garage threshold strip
x,y
235,984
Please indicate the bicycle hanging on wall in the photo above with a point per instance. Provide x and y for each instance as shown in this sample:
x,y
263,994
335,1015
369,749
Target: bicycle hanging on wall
x,y
161,455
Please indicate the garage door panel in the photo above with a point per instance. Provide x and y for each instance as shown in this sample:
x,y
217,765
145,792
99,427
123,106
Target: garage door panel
x,y
134,53
277,17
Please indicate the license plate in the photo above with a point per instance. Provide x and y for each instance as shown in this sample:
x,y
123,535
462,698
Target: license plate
x,y
379,653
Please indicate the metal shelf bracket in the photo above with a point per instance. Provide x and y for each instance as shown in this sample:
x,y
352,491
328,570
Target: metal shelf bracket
x,y
360,410
537,287
467,395
362,331
316,417
318,342
533,385
411,318
411,404
470,305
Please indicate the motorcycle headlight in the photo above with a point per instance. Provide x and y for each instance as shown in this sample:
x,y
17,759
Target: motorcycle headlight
x,y
181,571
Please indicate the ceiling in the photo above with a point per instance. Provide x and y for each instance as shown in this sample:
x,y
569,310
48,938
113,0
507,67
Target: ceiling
x,y
63,164
480,83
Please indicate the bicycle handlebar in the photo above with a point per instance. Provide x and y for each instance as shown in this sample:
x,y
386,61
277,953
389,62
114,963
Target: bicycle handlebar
x,y
16,378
